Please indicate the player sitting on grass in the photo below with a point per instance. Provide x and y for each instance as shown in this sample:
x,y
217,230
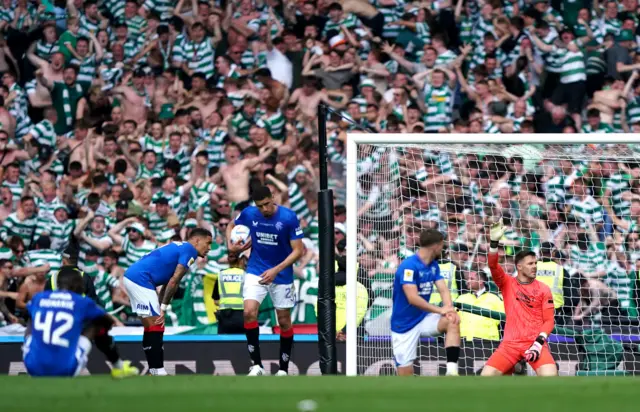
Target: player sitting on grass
x,y
164,267
61,326
413,316
276,244
528,306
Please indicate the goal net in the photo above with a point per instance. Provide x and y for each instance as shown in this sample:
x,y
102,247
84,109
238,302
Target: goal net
x,y
576,204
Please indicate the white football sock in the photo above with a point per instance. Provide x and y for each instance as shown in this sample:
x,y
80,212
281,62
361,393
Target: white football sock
x,y
452,367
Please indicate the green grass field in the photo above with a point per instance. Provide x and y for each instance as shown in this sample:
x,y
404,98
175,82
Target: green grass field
x,y
332,394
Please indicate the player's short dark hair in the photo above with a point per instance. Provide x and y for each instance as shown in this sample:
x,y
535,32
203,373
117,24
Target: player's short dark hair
x,y
523,254
430,237
199,232
261,193
70,278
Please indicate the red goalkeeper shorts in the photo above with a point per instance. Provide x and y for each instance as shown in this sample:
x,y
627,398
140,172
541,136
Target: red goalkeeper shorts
x,y
509,354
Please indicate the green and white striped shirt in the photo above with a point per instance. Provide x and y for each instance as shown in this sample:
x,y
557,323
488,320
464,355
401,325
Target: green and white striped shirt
x,y
24,229
133,253
241,124
275,125
215,147
115,8
572,67
162,7
157,224
587,210
618,185
44,133
439,107
590,260
298,203
199,57
135,26
350,21
175,201
104,283
59,232
35,258
85,247
88,67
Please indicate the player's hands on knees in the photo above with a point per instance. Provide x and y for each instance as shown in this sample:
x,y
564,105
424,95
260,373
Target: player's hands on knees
x,y
268,276
497,231
451,314
533,353
160,320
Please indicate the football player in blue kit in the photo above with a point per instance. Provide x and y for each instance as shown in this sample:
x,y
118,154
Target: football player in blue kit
x,y
61,325
413,316
276,244
163,267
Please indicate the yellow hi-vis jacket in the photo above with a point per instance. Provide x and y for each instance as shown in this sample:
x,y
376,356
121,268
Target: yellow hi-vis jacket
x,y
230,283
552,275
448,272
476,326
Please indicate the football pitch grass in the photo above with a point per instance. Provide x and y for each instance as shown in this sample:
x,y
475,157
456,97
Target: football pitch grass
x,y
331,394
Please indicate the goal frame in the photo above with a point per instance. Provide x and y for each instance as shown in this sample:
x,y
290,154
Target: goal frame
x,y
354,139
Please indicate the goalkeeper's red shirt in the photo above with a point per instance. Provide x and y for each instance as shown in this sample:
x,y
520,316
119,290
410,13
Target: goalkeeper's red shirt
x,y
529,307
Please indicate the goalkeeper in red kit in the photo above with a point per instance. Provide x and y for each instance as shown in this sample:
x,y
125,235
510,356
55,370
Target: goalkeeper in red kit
x,y
528,305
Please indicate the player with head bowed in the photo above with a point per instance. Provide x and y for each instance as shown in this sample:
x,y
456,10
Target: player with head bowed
x,y
61,325
276,244
163,267
412,315
528,305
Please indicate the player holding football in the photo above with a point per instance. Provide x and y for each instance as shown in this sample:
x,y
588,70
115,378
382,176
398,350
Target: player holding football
x,y
276,244
163,267
413,316
61,326
528,305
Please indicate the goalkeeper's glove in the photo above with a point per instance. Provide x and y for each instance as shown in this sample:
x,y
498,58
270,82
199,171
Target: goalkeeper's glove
x,y
496,233
533,353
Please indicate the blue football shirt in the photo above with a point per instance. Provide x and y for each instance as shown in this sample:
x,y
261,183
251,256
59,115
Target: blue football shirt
x,y
57,321
270,240
412,271
157,267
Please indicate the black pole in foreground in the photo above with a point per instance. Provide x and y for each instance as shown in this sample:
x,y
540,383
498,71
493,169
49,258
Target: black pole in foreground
x,y
327,278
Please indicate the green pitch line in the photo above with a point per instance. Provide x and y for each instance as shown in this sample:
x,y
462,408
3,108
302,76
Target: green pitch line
x,y
331,394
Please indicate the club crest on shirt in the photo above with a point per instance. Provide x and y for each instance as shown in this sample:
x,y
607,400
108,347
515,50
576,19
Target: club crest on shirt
x,y
279,226
255,224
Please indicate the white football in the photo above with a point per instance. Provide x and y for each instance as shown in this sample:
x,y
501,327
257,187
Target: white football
x,y
240,234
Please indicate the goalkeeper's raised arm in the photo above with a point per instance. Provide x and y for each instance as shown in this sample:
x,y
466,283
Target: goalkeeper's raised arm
x,y
529,308
497,273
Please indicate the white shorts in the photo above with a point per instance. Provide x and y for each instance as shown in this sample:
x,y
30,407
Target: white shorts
x,y
144,301
405,344
283,296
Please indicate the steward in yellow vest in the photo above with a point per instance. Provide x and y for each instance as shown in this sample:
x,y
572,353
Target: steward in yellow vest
x,y
476,326
89,288
448,272
227,294
551,273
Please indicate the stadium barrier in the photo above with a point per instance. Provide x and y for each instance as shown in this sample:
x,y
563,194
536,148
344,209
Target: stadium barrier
x,y
226,355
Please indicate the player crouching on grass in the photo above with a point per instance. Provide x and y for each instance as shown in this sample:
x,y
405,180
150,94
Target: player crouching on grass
x,y
276,244
413,316
528,305
62,324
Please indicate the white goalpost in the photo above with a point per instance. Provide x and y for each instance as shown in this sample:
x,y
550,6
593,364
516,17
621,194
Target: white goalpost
x,y
573,199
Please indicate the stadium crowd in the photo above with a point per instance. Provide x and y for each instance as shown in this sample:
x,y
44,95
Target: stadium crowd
x,y
124,124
